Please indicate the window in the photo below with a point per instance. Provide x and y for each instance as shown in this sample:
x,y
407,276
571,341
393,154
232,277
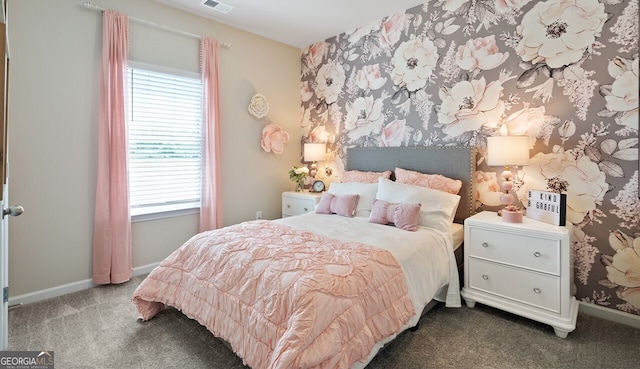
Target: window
x,y
165,139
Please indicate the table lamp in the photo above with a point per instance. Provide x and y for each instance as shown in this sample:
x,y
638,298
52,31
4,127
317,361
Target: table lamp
x,y
314,152
507,151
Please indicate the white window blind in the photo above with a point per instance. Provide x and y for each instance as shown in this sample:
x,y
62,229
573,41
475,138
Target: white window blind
x,y
165,139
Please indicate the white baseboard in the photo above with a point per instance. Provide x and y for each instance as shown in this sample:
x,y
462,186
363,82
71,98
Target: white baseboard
x,y
610,314
64,289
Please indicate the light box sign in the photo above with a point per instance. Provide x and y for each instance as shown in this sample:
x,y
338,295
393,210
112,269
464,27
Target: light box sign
x,y
548,207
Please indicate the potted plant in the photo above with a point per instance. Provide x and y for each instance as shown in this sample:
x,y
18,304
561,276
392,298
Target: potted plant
x,y
298,174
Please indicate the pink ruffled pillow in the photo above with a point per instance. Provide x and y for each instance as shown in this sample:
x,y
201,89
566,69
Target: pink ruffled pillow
x,y
344,205
364,177
404,216
433,181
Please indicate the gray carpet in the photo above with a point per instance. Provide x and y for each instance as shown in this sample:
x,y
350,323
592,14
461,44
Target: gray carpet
x,y
99,328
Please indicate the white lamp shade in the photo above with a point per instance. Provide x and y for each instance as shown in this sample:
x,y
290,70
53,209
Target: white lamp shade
x,y
315,151
507,150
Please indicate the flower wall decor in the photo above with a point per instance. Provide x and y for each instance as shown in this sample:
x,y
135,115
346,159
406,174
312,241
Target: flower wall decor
x,y
259,107
454,72
273,138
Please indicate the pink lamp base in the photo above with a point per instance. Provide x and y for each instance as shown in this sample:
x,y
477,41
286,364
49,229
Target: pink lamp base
x,y
512,216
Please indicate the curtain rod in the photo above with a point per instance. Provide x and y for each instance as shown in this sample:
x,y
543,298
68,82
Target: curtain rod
x,y
91,6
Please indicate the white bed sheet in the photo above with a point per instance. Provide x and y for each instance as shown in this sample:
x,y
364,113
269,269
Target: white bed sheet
x,y
426,255
457,232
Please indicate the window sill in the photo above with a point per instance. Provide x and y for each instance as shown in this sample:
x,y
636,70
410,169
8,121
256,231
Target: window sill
x,y
162,212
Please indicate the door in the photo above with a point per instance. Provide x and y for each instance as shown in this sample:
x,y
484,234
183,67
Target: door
x,y
4,264
4,247
4,190
4,279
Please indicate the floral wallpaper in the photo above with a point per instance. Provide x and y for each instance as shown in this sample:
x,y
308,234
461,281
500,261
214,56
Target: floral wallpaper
x,y
454,72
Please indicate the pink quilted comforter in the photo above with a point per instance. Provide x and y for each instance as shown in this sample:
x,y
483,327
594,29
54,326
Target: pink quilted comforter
x,y
283,298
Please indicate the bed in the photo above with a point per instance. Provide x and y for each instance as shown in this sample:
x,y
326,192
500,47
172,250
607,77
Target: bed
x,y
323,289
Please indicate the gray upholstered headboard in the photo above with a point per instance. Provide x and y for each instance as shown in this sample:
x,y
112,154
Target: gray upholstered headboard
x,y
456,162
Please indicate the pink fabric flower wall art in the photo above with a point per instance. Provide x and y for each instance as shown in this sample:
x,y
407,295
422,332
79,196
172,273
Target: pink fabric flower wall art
x,y
273,138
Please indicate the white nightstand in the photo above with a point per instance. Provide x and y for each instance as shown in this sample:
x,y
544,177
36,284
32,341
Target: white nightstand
x,y
523,268
296,203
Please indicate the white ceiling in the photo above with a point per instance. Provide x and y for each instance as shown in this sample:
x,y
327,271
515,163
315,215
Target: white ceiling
x,y
298,23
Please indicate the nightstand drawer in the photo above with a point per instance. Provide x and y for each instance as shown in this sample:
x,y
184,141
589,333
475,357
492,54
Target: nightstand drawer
x,y
534,253
297,205
537,289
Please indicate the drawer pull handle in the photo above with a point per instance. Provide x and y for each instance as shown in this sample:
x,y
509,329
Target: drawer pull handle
x,y
485,277
536,254
536,290
305,209
484,244
288,206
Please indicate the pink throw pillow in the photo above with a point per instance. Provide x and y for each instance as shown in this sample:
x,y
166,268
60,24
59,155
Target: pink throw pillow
x,y
404,216
344,205
433,181
364,177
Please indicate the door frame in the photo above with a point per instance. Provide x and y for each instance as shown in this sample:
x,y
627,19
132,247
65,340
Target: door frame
x,y
4,239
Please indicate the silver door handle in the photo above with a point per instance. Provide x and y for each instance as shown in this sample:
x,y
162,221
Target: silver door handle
x,y
14,211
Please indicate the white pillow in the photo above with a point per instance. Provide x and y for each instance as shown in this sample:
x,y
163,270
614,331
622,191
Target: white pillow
x,y
367,192
438,208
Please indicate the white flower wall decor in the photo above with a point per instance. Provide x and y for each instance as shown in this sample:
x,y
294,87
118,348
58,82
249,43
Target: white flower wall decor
x,y
259,107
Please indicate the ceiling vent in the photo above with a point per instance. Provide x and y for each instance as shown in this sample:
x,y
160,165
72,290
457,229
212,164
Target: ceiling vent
x,y
218,6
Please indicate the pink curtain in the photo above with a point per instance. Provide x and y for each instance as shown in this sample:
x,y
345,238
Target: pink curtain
x,y
112,220
211,197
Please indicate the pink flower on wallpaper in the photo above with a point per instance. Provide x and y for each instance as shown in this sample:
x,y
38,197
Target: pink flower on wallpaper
x,y
503,6
370,77
581,179
622,95
364,116
480,53
543,91
356,34
413,63
306,123
305,91
631,295
487,189
392,29
525,122
470,105
315,54
394,133
558,32
623,268
320,134
273,139
329,81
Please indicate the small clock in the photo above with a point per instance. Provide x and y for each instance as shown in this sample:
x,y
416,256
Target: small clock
x,y
317,186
